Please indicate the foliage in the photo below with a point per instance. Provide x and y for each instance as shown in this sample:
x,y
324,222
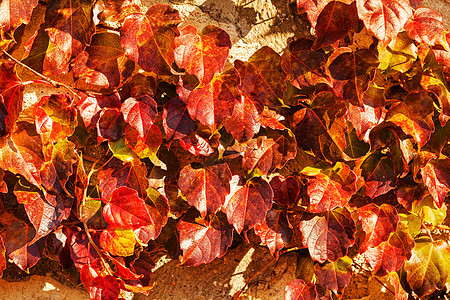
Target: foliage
x,y
99,178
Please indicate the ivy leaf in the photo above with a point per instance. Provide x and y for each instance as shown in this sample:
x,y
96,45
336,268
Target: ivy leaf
x,y
13,13
90,107
203,54
244,122
352,72
275,232
299,290
398,56
110,125
149,39
426,26
378,223
248,203
414,115
2,256
313,8
370,114
268,153
438,138
326,140
439,87
118,242
436,176
17,239
22,153
201,244
429,212
328,236
11,96
103,64
70,24
329,187
303,66
55,118
146,146
104,287
270,119
205,188
45,212
177,122
125,209
262,77
81,250
385,18
213,103
335,21
408,194
286,191
427,269
140,113
142,266
196,145
335,276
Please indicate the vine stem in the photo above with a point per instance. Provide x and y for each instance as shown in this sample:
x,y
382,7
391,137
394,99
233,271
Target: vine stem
x,y
54,83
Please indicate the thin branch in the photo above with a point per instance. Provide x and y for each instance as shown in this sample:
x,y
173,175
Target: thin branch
x,y
54,83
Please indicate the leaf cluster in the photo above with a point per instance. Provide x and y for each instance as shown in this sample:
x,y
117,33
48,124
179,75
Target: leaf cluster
x,y
161,143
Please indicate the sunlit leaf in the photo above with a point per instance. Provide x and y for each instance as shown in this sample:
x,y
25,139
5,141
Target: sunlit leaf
x,y
436,176
335,275
426,26
440,88
302,65
119,242
398,55
268,153
390,255
385,18
81,251
429,212
11,97
110,125
262,78
275,232
244,122
205,188
140,113
407,195
299,290
427,270
203,54
90,107
15,12
202,244
378,223
106,287
177,122
149,39
248,203
146,146
196,145
328,236
313,8
271,119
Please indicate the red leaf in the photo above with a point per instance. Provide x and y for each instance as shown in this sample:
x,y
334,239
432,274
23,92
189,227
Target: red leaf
x,y
15,12
212,103
299,290
116,174
352,73
90,107
328,236
329,187
142,266
244,122
203,54
118,242
439,87
378,223
81,251
70,24
149,39
408,194
335,276
390,255
436,176
262,78
140,113
110,125
2,257
334,23
269,118
90,271
177,122
196,145
11,95
385,18
45,213
146,146
22,153
303,66
126,210
426,26
268,153
414,115
275,232
205,188
370,114
248,203
17,239
104,288
202,244
286,191
314,7
55,118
